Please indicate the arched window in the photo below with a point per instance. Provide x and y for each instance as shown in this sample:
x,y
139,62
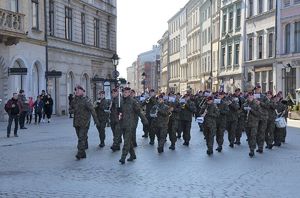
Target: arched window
x,y
35,80
70,83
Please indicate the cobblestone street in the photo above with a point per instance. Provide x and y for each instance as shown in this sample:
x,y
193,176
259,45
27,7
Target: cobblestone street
x,y
41,163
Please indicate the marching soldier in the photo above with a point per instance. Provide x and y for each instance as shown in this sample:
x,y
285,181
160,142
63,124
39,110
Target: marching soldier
x,y
281,110
174,119
221,121
160,115
232,119
83,109
136,120
188,108
101,106
149,103
128,108
252,111
270,124
114,119
241,118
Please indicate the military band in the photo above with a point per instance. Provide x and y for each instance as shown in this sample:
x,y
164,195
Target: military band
x,y
262,116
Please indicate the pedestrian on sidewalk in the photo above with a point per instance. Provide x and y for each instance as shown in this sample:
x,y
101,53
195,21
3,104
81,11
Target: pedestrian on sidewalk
x,y
48,107
24,108
43,97
13,107
38,108
70,98
30,112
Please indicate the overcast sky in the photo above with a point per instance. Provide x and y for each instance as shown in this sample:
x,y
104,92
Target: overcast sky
x,y
141,23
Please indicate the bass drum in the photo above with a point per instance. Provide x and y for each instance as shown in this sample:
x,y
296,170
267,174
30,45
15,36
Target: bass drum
x,y
200,120
280,122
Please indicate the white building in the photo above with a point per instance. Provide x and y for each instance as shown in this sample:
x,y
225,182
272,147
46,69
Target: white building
x,y
131,76
288,47
22,45
183,51
81,41
231,71
164,62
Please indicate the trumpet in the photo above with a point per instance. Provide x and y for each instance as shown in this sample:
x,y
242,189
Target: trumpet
x,y
154,115
202,102
170,111
148,100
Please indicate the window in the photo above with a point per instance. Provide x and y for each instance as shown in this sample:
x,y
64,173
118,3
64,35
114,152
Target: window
x,y
51,17
264,81
271,80
230,21
260,47
223,57
14,5
224,22
271,45
271,4
236,53
287,38
296,1
96,32
108,35
35,14
297,36
238,17
250,44
68,23
286,3
260,6
83,28
229,58
250,8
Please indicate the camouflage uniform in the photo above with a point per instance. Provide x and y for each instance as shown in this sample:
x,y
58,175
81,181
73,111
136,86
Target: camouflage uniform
x,y
173,125
263,121
269,135
251,123
210,125
241,121
221,123
160,124
232,121
115,125
100,106
129,107
186,117
200,100
83,109
282,109
135,124
149,103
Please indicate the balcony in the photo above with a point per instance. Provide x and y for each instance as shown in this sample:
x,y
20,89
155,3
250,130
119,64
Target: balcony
x,y
11,27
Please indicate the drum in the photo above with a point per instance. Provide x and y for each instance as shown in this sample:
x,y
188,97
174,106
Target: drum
x,y
200,120
280,122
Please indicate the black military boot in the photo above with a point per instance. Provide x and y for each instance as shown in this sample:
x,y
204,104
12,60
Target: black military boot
x,y
209,152
172,147
219,149
102,144
251,154
145,136
8,135
151,142
260,150
186,143
231,145
131,158
269,146
160,149
86,146
80,155
122,161
134,144
16,135
178,136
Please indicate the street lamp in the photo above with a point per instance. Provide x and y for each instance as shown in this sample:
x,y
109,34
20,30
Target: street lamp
x,y
144,81
115,60
175,87
209,80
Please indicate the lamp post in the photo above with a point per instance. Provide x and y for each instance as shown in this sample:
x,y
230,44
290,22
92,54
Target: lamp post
x,y
144,81
175,87
210,82
115,60
287,69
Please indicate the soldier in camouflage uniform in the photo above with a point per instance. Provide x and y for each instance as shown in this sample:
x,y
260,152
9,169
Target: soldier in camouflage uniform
x,y
114,120
210,112
188,109
101,106
232,119
241,117
128,108
269,135
135,120
281,110
173,125
252,111
83,109
160,115
221,121
149,103
199,101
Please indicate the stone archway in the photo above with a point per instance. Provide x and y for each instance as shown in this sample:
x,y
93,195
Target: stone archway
x,y
70,83
36,80
85,83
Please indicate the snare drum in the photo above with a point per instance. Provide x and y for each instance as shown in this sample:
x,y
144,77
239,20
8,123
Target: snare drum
x,y
200,120
280,122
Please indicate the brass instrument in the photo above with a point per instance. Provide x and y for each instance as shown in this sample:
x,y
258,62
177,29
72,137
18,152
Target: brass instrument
x,y
148,100
202,102
154,115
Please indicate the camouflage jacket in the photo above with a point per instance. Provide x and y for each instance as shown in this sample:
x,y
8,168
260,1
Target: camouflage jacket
x,y
233,110
114,114
162,118
212,114
100,106
265,106
149,103
177,109
83,109
252,116
224,110
187,111
271,110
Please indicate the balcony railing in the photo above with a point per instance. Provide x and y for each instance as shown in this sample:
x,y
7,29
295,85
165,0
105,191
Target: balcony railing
x,y
11,21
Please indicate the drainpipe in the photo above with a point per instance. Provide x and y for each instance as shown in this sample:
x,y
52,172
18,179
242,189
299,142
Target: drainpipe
x,y
275,55
46,39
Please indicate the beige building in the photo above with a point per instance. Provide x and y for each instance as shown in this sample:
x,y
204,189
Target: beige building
x,y
164,62
183,52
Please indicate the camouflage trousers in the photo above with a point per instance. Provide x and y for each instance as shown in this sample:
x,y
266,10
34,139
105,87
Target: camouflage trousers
x,y
134,127
147,128
260,136
101,130
269,135
251,136
221,126
279,135
161,133
172,129
231,128
117,135
186,128
209,132
82,144
128,145
240,128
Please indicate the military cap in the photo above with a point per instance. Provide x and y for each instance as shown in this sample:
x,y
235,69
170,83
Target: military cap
x,y
127,89
237,89
132,90
151,90
101,92
79,87
209,98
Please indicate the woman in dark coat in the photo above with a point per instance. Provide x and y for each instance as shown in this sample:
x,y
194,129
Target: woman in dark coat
x,y
71,97
48,107
38,108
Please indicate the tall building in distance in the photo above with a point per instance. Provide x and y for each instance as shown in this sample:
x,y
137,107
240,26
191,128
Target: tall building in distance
x,y
164,62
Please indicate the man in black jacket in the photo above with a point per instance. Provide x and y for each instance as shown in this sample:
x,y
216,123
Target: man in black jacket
x,y
13,108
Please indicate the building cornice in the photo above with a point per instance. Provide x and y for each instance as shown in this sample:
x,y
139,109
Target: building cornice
x,y
261,16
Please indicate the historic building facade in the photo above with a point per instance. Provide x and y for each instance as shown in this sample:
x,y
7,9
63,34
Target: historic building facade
x,y
164,62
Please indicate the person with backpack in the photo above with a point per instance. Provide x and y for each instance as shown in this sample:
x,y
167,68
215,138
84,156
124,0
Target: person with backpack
x,y
13,108
38,109
48,107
